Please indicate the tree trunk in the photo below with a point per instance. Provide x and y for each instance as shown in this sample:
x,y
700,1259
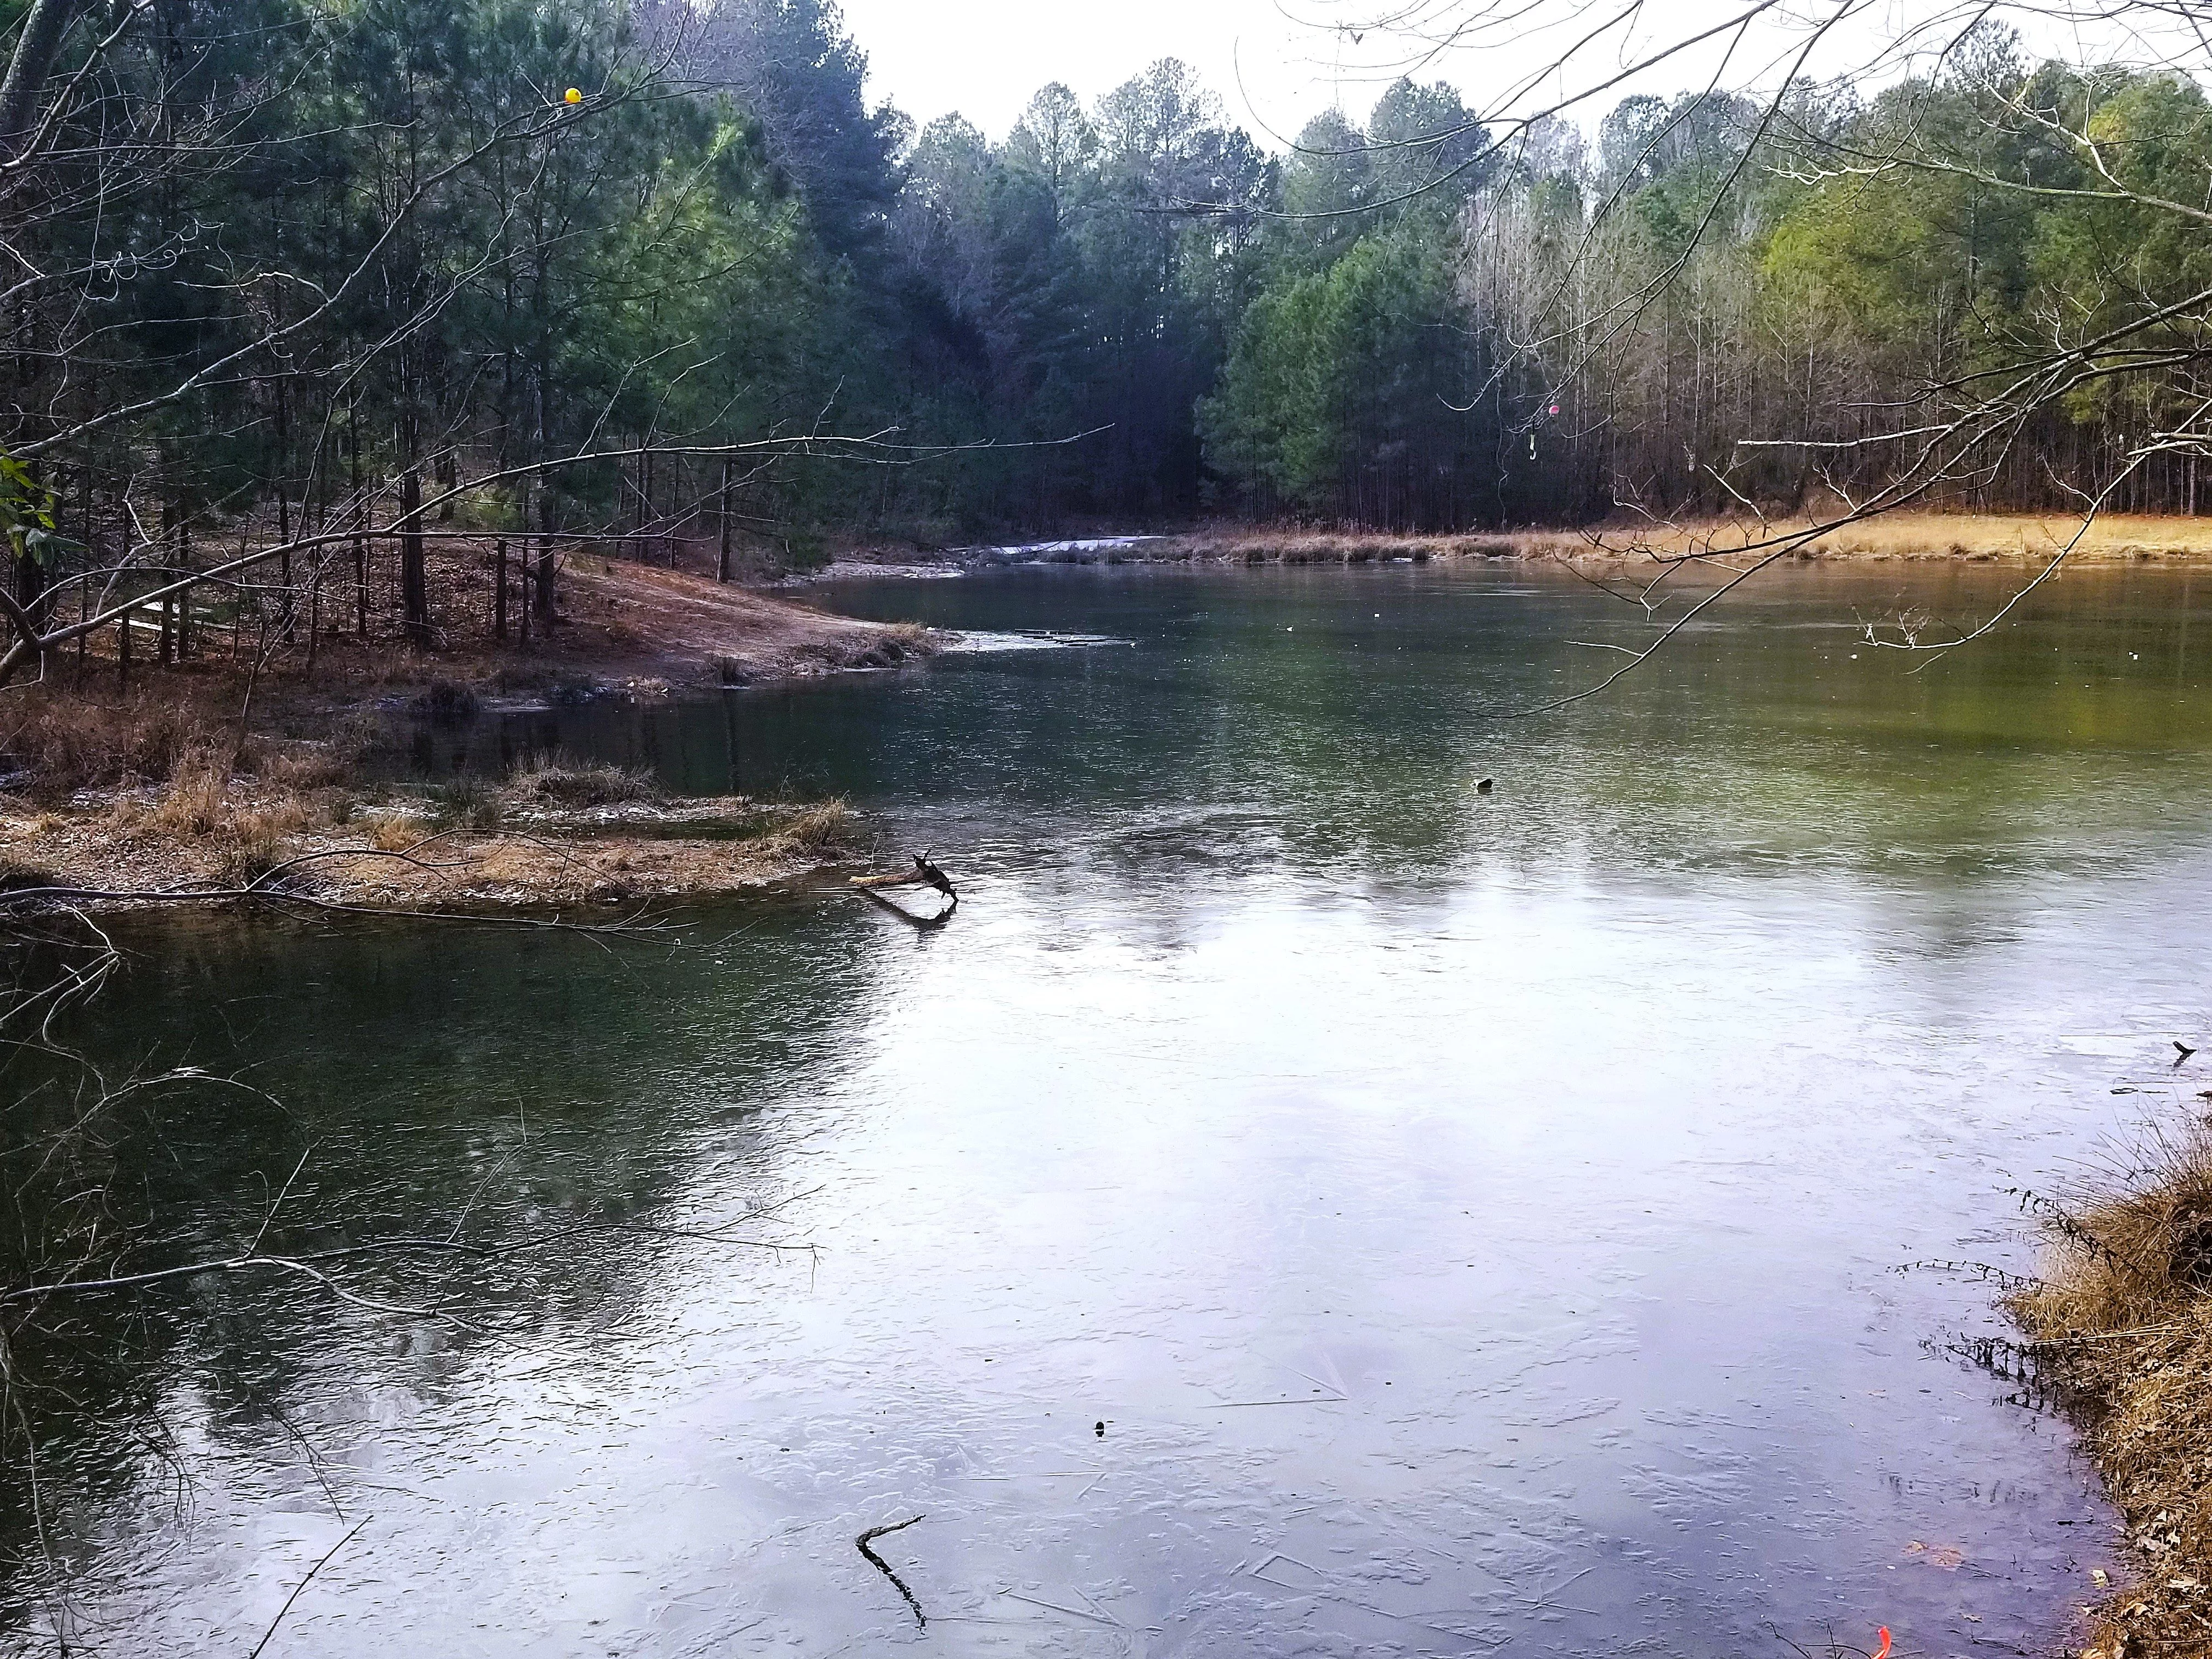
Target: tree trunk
x,y
44,29
168,600
414,580
546,558
284,559
360,523
722,568
182,602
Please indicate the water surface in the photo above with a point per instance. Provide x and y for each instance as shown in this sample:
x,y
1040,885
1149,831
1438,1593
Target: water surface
x,y
1473,1221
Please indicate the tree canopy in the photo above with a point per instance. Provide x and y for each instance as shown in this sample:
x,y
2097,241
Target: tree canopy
x,y
294,258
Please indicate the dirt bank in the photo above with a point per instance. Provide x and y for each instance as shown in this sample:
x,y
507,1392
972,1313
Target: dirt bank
x,y
647,628
2122,1321
620,626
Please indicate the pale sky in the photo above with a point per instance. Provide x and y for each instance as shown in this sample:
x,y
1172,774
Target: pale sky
x,y
984,58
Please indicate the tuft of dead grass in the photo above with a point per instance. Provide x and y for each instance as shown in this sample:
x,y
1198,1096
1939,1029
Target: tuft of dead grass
x,y
559,782
199,791
814,830
2122,1320
467,803
301,765
391,832
255,841
62,741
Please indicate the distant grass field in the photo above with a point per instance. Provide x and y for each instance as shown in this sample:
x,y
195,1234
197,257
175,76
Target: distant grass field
x,y
2114,539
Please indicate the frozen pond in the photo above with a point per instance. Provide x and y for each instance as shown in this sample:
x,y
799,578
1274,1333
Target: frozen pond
x,y
1300,1206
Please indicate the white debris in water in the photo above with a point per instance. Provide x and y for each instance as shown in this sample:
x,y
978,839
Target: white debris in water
x,y
861,570
1092,544
1065,552
979,644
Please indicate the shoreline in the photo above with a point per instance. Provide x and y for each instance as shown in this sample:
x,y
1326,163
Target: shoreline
x,y
216,782
199,772
2024,539
404,854
2120,1327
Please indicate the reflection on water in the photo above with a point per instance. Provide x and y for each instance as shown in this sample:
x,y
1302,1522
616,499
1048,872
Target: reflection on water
x,y
1473,1221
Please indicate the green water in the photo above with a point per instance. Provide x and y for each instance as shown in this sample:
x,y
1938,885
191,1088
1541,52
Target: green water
x,y
1474,1220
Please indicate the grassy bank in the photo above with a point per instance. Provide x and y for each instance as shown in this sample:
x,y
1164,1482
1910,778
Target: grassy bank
x,y
241,767
295,820
2123,1321
1989,538
2113,539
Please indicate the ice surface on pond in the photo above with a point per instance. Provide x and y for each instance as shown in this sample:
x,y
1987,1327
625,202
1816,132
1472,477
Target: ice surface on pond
x,y
1475,1219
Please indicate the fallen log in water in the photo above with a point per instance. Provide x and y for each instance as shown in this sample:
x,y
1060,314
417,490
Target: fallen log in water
x,y
924,874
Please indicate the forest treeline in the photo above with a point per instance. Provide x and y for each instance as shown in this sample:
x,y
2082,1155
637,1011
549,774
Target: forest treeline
x,y
358,273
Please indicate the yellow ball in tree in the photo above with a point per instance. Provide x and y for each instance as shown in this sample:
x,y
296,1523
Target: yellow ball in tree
x,y
575,96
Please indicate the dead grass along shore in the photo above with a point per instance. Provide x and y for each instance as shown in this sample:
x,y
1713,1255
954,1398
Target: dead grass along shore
x,y
2122,1320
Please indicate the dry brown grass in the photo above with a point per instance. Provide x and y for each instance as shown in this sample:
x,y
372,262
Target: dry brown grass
x,y
238,832
65,740
301,765
1993,537
885,647
198,793
2123,1320
511,863
815,831
391,832
2114,539
211,836
255,841
559,782
1299,546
